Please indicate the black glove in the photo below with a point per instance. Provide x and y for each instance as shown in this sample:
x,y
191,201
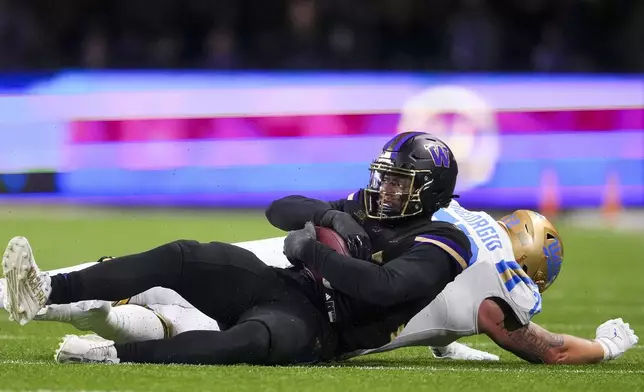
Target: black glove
x,y
295,242
350,230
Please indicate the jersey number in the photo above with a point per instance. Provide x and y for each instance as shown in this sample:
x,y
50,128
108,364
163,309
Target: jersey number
x,y
512,274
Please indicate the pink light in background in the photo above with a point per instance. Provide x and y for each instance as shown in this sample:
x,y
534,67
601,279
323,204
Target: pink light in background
x,y
100,131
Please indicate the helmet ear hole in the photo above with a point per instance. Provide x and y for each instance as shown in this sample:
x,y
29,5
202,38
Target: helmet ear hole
x,y
525,269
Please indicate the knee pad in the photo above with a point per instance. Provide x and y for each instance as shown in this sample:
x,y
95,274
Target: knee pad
x,y
293,335
256,337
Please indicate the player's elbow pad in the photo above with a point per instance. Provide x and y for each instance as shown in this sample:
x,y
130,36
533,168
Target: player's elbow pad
x,y
276,218
292,212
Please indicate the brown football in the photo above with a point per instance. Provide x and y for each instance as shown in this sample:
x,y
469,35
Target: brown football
x,y
332,239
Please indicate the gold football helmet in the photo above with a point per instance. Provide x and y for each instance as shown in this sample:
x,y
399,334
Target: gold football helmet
x,y
537,246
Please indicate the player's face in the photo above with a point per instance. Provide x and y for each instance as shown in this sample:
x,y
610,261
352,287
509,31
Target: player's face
x,y
394,190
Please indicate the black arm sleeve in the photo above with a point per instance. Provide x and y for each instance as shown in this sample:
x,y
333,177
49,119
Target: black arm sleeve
x,y
292,212
424,269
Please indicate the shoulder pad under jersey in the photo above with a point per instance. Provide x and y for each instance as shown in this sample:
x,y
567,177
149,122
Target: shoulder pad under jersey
x,y
449,238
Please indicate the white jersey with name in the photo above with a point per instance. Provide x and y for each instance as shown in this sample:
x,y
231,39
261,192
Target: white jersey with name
x,y
491,272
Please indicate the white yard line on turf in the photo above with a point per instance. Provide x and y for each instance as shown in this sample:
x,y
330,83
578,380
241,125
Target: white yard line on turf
x,y
423,369
25,337
430,369
23,362
13,337
490,344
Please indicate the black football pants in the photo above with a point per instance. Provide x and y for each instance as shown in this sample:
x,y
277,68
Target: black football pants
x,y
270,321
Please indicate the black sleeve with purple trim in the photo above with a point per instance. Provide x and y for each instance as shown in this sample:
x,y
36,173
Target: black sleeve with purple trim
x,y
430,263
292,212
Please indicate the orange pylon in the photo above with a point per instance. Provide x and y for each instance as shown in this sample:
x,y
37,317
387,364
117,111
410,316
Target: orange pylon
x,y
612,203
549,196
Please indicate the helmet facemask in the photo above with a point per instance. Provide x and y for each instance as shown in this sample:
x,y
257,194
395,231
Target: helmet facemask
x,y
392,193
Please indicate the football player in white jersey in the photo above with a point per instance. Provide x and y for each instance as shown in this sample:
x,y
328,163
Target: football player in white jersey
x,y
513,261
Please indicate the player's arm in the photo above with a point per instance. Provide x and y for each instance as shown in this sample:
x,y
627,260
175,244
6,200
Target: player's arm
x,y
426,268
537,345
292,212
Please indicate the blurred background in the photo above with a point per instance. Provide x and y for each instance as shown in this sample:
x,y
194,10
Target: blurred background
x,y
233,103
429,35
126,124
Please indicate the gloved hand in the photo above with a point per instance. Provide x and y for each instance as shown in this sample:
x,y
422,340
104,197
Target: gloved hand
x,y
295,242
616,337
350,230
460,352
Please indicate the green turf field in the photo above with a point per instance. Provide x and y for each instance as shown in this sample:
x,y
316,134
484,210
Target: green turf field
x,y
601,279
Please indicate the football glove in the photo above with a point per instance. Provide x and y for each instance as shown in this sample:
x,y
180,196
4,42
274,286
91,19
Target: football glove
x,y
616,337
296,240
350,230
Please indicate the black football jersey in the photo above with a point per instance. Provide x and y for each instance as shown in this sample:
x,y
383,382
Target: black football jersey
x,y
369,306
365,326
